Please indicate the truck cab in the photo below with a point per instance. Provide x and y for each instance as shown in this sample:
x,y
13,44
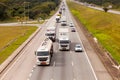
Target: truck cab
x,y
64,41
51,33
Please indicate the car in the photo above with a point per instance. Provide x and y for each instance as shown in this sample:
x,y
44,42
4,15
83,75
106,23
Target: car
x,y
71,24
78,48
73,30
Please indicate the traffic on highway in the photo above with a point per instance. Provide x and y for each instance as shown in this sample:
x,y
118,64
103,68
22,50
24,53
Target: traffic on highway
x,y
57,53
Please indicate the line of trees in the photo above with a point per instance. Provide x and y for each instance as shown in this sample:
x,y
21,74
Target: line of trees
x,y
21,8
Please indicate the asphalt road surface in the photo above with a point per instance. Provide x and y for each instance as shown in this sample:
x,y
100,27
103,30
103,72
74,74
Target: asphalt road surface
x,y
65,65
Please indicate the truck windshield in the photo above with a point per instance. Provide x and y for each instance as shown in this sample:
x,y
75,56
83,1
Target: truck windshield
x,y
63,21
64,42
45,53
52,34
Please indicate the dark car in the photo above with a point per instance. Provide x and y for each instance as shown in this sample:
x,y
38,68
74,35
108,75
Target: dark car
x,y
73,30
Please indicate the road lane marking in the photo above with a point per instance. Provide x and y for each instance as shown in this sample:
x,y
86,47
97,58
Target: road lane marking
x,y
51,79
30,74
74,79
54,64
72,63
28,79
34,66
32,70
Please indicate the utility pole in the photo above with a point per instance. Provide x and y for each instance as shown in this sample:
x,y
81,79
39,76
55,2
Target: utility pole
x,y
24,12
25,16
28,11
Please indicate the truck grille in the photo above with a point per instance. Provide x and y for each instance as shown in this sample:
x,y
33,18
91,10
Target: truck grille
x,y
42,59
63,45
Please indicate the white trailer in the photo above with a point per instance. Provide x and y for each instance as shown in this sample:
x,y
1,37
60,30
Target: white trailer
x,y
44,52
64,41
63,21
51,33
57,18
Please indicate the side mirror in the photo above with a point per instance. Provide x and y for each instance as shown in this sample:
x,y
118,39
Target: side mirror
x,y
35,52
45,34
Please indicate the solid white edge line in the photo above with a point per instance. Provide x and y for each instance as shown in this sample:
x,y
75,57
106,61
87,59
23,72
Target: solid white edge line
x,y
87,57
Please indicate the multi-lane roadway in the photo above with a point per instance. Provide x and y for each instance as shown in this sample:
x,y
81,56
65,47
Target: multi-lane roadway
x,y
65,65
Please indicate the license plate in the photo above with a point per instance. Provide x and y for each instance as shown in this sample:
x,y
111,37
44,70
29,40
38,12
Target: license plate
x,y
43,63
64,48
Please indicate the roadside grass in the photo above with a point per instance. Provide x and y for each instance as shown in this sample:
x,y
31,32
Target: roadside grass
x,y
104,26
11,38
37,22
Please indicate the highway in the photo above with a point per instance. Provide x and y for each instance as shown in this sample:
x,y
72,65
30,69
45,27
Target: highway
x,y
65,65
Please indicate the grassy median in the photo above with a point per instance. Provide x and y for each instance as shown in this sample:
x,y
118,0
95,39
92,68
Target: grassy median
x,y
11,38
104,26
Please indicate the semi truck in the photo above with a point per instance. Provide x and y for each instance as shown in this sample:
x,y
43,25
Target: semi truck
x,y
57,18
64,40
51,33
63,21
44,52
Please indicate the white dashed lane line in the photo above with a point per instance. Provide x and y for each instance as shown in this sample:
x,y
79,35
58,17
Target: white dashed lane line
x,y
72,63
30,75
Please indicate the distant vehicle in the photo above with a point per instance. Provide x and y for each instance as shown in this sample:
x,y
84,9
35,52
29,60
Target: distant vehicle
x,y
71,24
51,33
73,30
44,52
64,41
57,18
63,8
63,21
78,48
60,12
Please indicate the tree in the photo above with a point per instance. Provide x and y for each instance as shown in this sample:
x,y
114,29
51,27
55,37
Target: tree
x,y
105,9
3,14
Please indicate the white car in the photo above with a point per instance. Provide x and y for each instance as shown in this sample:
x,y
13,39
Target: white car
x,y
78,48
71,24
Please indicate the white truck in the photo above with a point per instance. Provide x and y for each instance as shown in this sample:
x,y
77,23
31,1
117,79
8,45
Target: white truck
x,y
57,18
44,52
51,33
64,41
63,21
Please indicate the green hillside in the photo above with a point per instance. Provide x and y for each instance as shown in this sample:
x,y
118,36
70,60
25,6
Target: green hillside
x,y
104,26
19,9
115,3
